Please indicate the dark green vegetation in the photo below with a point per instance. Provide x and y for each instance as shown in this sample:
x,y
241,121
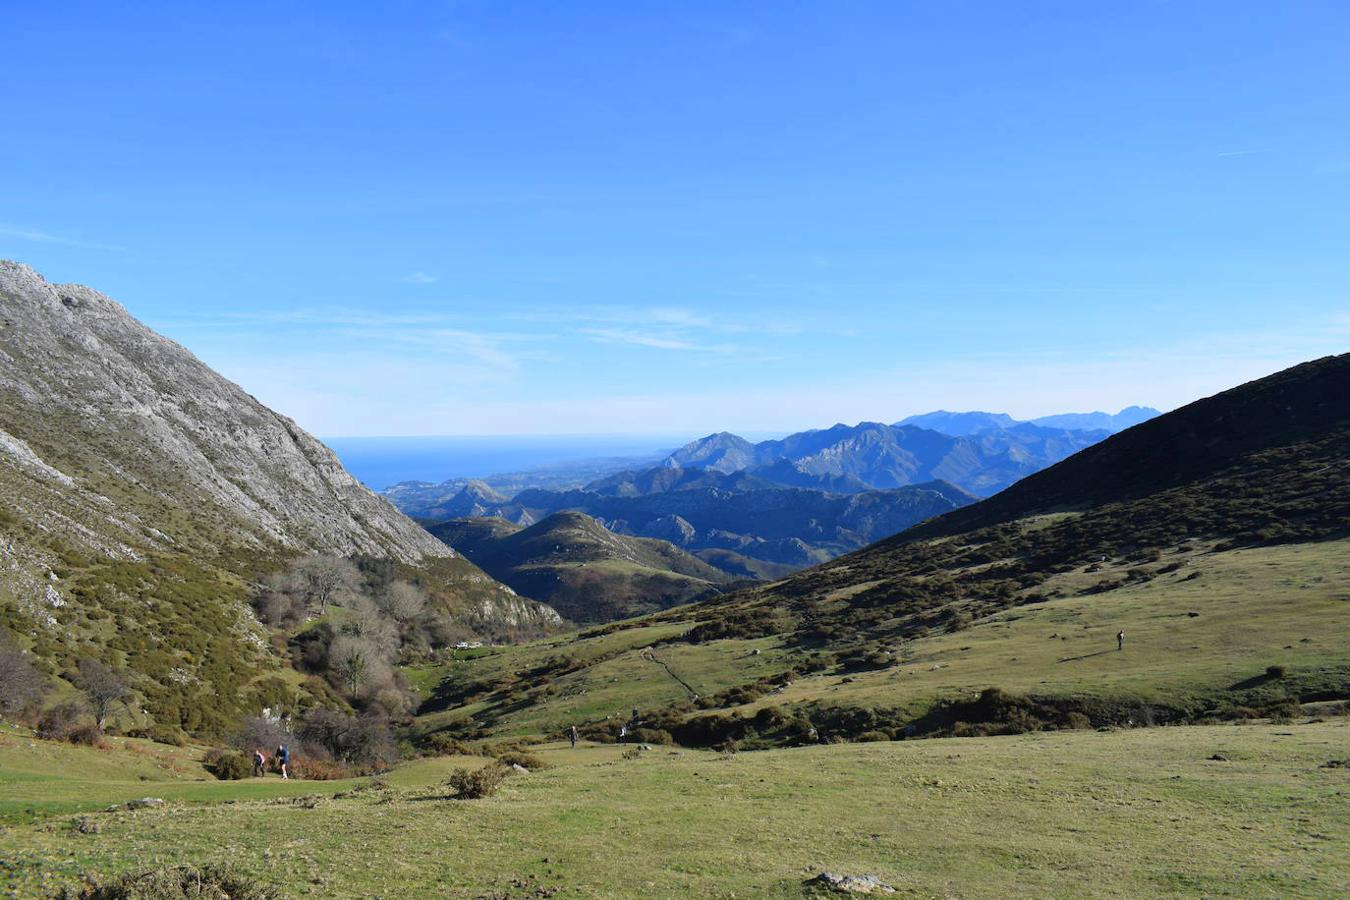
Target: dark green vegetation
x,y
1217,537
582,569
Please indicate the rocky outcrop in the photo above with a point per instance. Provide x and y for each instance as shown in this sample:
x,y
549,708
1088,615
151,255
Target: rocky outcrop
x,y
122,441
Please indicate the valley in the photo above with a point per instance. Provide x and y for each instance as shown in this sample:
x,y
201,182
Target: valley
x,y
742,631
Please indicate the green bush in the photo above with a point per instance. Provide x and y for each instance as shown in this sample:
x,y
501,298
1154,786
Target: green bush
x,y
524,760
474,784
228,765
443,744
162,734
871,737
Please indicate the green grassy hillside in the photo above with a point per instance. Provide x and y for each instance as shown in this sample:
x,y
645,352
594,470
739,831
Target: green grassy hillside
x,y
582,569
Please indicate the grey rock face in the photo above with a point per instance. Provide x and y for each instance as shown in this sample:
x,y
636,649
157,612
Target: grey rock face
x,y
123,441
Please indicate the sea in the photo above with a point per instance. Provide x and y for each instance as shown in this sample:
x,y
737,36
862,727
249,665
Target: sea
x,y
379,462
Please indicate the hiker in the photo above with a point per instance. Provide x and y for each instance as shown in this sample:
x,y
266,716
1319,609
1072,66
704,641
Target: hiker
x,y
284,760
259,763
572,736
1120,639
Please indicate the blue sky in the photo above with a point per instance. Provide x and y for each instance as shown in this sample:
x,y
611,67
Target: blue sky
x,y
500,217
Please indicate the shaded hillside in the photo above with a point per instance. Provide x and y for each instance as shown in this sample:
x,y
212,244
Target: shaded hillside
x,y
1225,559
580,568
141,493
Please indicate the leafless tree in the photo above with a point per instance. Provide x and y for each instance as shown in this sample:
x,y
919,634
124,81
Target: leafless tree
x,y
355,663
21,684
104,686
323,578
402,601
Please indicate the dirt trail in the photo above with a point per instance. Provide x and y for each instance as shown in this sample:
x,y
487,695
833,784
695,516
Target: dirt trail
x,y
646,653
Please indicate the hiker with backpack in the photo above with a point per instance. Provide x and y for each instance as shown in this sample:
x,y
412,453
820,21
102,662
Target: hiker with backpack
x,y
284,760
573,736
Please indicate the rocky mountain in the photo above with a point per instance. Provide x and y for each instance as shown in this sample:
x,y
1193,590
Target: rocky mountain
x,y
140,492
581,568
1126,418
960,424
874,456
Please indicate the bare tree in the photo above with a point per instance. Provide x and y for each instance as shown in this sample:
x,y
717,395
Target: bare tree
x,y
21,684
402,601
105,687
354,662
324,577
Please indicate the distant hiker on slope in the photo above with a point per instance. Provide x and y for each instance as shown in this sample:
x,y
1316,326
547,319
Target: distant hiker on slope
x,y
284,760
572,736
1120,639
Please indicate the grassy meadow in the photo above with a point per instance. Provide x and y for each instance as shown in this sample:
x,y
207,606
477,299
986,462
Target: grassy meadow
x,y
1139,812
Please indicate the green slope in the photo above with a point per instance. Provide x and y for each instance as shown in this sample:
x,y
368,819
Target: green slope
x,y
582,569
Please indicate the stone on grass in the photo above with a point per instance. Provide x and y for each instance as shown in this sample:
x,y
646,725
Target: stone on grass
x,y
852,884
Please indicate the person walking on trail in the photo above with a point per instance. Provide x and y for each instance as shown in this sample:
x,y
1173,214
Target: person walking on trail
x,y
1120,639
259,763
284,760
573,736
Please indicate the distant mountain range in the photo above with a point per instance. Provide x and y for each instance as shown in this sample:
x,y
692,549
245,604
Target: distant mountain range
x,y
746,527
873,456
960,424
764,509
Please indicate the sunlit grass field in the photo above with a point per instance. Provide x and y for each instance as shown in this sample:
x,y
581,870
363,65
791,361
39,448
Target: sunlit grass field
x,y
1143,812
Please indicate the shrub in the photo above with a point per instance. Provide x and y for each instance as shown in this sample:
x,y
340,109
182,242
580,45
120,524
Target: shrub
x,y
312,769
524,760
227,765
86,733
62,721
161,734
870,737
1077,720
176,883
1276,671
652,736
443,744
478,783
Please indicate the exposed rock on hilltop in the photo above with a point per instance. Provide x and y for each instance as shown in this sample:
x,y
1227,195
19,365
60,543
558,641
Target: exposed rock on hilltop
x,y
122,439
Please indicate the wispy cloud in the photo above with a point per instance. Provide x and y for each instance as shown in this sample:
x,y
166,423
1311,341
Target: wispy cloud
x,y
656,339
420,278
37,236
1241,152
